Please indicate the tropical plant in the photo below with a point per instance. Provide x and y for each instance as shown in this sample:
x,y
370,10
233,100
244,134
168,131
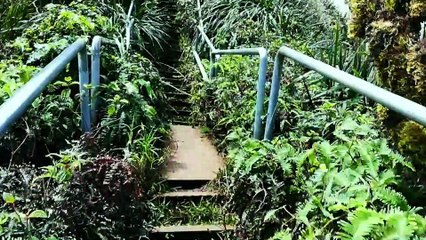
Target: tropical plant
x,y
86,188
237,22
11,15
395,31
234,88
331,189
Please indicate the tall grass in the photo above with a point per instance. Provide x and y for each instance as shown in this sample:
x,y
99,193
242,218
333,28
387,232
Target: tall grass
x,y
283,18
12,12
144,21
350,56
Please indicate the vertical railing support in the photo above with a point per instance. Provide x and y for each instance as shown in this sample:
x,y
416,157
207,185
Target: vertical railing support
x,y
263,65
83,72
96,75
273,99
260,98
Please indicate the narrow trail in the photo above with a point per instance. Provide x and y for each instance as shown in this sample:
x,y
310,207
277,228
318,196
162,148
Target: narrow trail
x,y
192,210
168,64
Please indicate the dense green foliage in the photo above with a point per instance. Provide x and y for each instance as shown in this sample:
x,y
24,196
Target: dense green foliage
x,y
95,186
395,30
342,188
237,22
330,173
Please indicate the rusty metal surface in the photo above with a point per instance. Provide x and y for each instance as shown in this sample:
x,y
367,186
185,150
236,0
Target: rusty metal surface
x,y
193,156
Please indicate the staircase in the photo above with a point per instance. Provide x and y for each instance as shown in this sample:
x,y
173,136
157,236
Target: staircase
x,y
177,91
190,209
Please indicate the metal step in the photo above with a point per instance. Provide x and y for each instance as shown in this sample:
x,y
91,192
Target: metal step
x,y
189,194
193,156
180,111
193,229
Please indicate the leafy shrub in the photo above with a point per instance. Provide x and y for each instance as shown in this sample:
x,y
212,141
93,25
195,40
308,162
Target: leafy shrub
x,y
234,88
54,117
98,200
11,14
130,101
345,188
79,197
395,30
329,174
93,189
130,77
238,22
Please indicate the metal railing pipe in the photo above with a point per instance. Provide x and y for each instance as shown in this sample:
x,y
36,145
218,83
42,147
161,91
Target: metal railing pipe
x,y
200,65
83,73
212,48
95,75
405,107
95,78
263,65
18,103
206,38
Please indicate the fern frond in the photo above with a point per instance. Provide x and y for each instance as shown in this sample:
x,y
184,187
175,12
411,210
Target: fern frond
x,y
396,227
360,224
303,211
282,235
391,197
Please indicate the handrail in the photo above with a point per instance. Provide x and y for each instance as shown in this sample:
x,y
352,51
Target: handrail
x,y
200,65
215,56
206,38
407,108
19,102
261,83
96,72
263,64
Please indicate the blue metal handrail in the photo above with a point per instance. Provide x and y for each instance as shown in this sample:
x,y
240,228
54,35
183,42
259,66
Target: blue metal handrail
x,y
96,72
200,65
215,56
405,107
21,100
261,83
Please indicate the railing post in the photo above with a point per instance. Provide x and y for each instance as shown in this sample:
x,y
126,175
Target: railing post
x,y
83,72
212,73
263,65
273,99
394,102
96,75
260,98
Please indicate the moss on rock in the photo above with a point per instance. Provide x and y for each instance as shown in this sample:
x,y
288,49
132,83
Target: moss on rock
x,y
399,53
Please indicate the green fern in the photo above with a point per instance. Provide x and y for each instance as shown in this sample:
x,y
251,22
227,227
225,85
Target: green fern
x,y
397,227
392,198
360,224
282,235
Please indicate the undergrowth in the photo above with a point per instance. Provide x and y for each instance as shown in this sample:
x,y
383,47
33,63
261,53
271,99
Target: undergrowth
x,y
330,172
57,183
205,211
